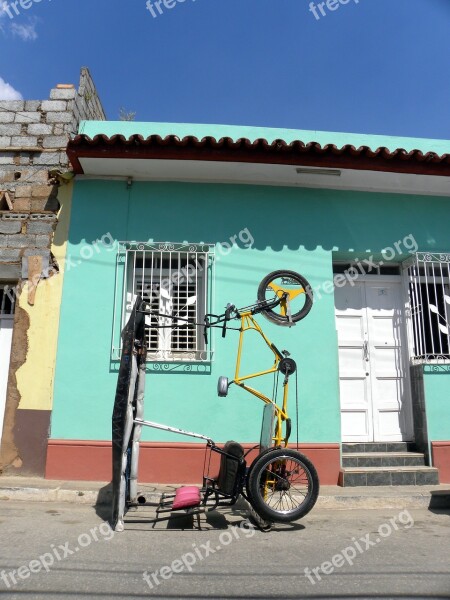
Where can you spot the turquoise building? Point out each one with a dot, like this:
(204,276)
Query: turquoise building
(364,218)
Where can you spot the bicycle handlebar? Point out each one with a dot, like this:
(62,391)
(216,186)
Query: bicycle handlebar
(231,312)
(262,306)
(228,313)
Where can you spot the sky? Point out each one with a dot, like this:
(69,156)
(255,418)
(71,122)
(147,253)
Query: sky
(361,66)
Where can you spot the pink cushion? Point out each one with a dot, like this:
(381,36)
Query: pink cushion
(186,497)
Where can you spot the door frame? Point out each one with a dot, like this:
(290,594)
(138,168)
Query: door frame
(380,278)
(6,317)
(3,391)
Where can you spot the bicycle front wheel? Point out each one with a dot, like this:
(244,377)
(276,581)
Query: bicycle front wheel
(282,485)
(299,296)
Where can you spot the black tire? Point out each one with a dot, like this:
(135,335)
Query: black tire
(297,279)
(269,487)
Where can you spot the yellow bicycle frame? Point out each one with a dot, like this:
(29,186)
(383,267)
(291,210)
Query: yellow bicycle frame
(248,323)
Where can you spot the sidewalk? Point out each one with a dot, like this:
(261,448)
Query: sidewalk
(331,497)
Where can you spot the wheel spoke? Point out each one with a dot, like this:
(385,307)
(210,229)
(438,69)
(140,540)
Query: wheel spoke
(283,485)
(293,481)
(292,499)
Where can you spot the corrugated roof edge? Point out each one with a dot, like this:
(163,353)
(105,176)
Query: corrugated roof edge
(226,149)
(235,132)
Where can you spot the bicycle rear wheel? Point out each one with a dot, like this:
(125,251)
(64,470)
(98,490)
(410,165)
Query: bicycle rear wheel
(282,485)
(299,298)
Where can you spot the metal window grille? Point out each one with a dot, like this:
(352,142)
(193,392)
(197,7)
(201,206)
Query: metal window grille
(7,300)
(428,284)
(176,280)
(361,268)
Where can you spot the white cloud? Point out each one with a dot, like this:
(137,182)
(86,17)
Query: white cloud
(25,32)
(2,15)
(7,92)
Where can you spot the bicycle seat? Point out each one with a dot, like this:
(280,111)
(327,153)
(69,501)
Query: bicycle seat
(186,497)
(229,467)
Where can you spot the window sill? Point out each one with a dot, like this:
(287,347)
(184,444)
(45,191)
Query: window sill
(441,360)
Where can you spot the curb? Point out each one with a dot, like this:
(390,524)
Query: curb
(372,502)
(424,500)
(27,494)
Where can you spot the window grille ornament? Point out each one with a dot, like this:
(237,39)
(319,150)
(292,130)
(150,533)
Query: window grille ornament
(428,280)
(176,281)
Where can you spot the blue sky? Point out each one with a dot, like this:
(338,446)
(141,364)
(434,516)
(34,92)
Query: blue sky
(373,66)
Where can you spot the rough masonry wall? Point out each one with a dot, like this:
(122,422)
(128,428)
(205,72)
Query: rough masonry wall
(33,169)
(33,138)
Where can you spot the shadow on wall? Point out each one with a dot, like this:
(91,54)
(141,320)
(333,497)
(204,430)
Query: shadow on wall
(277,218)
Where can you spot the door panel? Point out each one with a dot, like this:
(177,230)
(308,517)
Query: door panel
(352,421)
(388,423)
(389,375)
(355,393)
(378,358)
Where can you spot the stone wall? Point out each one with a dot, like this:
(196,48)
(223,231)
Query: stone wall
(34,177)
(33,138)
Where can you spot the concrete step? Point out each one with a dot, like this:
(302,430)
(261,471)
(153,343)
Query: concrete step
(383,459)
(359,447)
(373,476)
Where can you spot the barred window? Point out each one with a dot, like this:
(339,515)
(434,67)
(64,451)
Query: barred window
(429,300)
(176,282)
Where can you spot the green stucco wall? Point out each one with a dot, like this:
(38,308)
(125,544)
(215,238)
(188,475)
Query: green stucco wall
(437,397)
(293,228)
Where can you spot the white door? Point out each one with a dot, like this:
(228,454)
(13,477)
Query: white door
(6,329)
(373,370)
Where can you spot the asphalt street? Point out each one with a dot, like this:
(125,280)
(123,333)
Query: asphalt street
(68,551)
